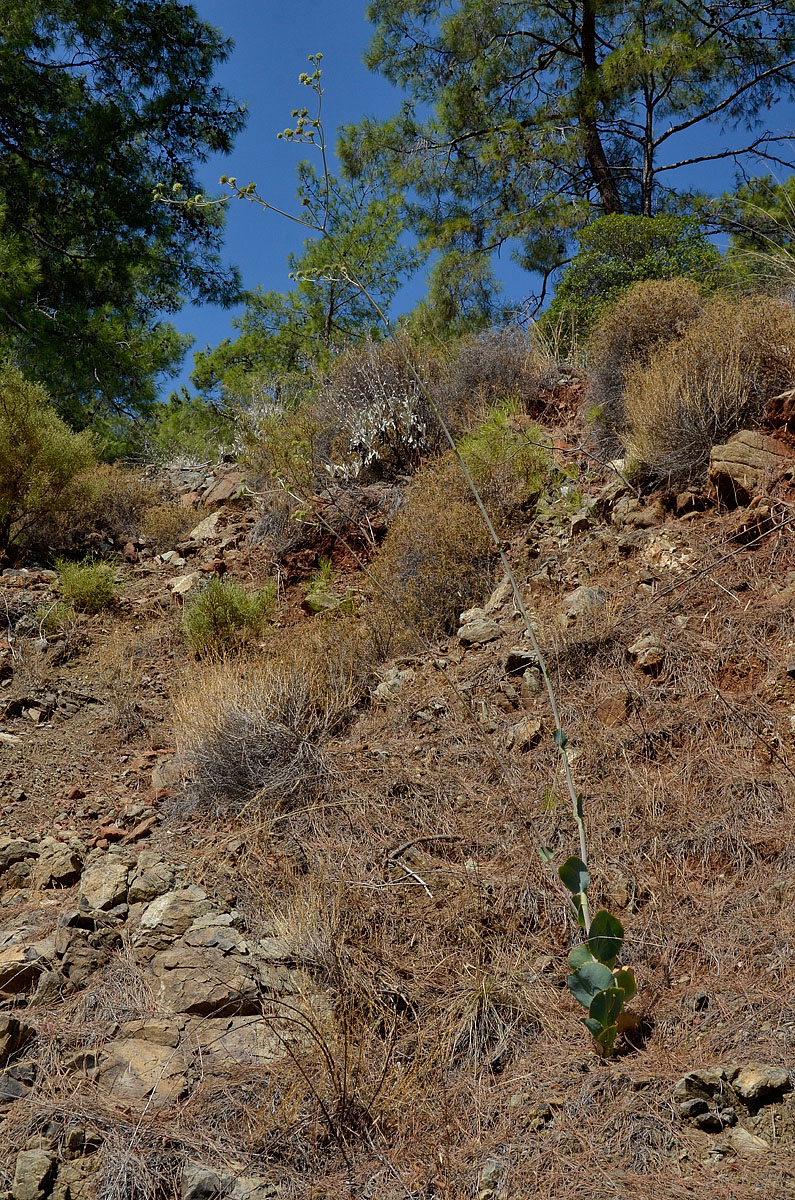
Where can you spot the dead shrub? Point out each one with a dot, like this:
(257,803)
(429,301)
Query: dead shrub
(493,367)
(249,732)
(437,557)
(166,523)
(711,383)
(651,314)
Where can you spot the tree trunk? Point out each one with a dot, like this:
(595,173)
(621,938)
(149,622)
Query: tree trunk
(595,156)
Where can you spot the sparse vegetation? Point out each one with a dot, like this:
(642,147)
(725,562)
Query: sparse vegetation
(223,615)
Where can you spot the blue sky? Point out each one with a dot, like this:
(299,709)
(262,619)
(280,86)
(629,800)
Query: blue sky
(272,45)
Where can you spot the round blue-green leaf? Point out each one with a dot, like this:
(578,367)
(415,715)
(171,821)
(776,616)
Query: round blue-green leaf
(625,979)
(579,955)
(606,1005)
(587,980)
(606,937)
(574,875)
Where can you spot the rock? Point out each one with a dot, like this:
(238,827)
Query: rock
(11,1090)
(33,1174)
(779,412)
(6,659)
(532,685)
(200,1183)
(738,468)
(223,489)
(14,1034)
(581,521)
(701,1084)
(151,877)
(524,734)
(477,628)
(130,552)
(582,600)
(168,773)
(748,1145)
(134,1069)
(759,1082)
(104,882)
(612,711)
(167,917)
(204,981)
(59,863)
(247,1041)
(15,850)
(519,658)
(490,1179)
(648,653)
(392,683)
(609,496)
(76,1180)
(206,529)
(185,583)
(20,966)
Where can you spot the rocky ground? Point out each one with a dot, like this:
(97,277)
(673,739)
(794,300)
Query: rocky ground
(368,999)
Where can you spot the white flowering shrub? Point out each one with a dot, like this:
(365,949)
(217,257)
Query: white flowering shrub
(377,421)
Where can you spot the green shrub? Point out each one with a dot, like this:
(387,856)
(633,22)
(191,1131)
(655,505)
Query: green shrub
(224,614)
(44,466)
(617,251)
(509,463)
(55,618)
(89,586)
(707,386)
(648,316)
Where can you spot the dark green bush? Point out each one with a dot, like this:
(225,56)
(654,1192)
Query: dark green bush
(617,251)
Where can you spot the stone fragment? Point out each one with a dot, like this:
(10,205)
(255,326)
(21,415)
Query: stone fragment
(200,1183)
(11,1090)
(20,967)
(77,1180)
(167,917)
(477,628)
(104,882)
(748,1145)
(648,653)
(206,529)
(223,489)
(204,982)
(582,600)
(33,1174)
(14,850)
(59,864)
(135,1069)
(151,877)
(490,1179)
(612,710)
(760,1082)
(185,583)
(519,658)
(524,734)
(14,1034)
(392,683)
(738,468)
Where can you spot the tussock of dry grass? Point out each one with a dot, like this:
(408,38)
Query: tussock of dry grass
(712,382)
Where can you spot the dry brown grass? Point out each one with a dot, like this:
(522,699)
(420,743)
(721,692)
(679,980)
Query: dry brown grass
(166,523)
(437,558)
(649,316)
(713,382)
(249,730)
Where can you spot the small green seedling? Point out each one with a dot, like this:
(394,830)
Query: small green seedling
(602,987)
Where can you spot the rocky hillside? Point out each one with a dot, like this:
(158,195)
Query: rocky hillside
(358,989)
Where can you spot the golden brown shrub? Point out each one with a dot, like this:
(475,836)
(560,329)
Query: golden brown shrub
(650,315)
(437,558)
(713,382)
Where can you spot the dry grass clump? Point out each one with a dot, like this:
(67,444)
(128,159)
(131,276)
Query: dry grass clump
(249,732)
(499,365)
(166,523)
(708,385)
(650,315)
(437,557)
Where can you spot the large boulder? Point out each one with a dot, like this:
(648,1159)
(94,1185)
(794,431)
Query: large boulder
(204,981)
(104,882)
(738,468)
